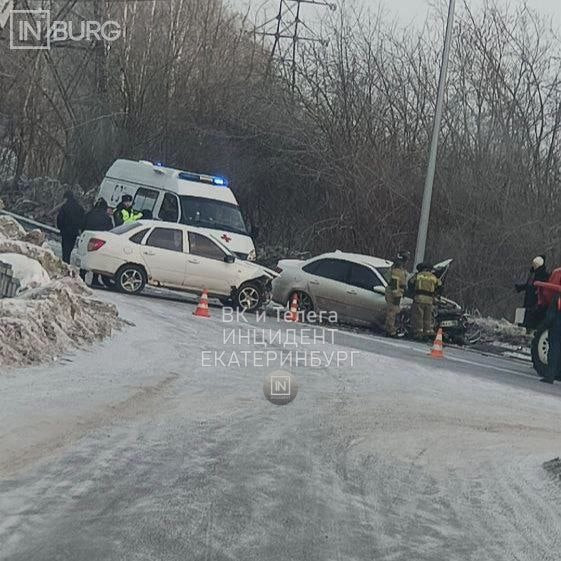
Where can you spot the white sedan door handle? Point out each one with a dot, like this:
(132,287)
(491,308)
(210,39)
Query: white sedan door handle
(351,291)
(148,253)
(194,261)
(314,282)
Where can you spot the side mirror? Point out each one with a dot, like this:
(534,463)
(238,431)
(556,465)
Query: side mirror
(229,258)
(379,290)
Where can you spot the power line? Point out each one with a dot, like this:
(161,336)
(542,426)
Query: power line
(289,30)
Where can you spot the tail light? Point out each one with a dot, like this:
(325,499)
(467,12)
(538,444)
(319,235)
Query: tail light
(278,269)
(95,243)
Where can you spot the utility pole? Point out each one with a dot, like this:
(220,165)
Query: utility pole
(285,28)
(429,182)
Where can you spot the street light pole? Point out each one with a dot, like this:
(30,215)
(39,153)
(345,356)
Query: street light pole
(427,194)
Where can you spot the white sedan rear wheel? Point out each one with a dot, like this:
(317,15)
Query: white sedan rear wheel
(130,279)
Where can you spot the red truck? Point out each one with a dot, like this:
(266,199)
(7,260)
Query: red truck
(536,319)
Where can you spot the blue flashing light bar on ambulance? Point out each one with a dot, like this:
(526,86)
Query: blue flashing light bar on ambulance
(190,176)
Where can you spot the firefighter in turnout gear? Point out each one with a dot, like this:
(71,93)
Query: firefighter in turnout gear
(395,290)
(425,285)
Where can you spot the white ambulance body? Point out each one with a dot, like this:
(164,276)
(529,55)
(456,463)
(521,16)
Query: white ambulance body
(174,195)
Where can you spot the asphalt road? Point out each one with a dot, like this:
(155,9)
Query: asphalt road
(140,449)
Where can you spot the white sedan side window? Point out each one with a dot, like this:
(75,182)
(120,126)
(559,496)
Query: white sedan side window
(166,238)
(204,247)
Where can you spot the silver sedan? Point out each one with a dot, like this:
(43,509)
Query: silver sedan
(350,284)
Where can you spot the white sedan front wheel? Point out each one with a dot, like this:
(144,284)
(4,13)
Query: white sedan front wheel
(249,297)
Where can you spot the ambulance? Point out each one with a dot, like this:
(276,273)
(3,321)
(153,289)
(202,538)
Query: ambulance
(173,195)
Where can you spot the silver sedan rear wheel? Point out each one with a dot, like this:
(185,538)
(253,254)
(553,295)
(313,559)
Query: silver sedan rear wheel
(305,302)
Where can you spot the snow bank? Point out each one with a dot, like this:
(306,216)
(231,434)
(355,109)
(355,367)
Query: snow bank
(42,323)
(29,272)
(54,266)
(10,228)
(54,311)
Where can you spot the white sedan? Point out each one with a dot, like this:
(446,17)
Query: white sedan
(173,256)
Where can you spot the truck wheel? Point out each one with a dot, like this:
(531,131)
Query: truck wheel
(540,347)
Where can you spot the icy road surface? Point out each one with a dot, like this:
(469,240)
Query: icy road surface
(133,450)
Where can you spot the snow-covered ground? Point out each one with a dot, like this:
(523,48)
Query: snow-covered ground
(136,449)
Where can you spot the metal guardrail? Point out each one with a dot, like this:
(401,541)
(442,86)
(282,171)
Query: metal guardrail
(32,223)
(9,286)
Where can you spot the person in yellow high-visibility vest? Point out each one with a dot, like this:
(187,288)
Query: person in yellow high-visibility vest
(395,291)
(124,212)
(425,284)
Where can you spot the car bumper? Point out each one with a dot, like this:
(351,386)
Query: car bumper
(98,263)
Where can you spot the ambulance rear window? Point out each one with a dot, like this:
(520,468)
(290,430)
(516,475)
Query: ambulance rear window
(145,199)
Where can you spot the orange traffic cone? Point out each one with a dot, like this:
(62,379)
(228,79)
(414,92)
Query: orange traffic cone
(293,314)
(202,307)
(437,347)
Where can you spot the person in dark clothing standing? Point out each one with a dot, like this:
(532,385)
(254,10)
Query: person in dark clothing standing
(538,272)
(69,221)
(97,218)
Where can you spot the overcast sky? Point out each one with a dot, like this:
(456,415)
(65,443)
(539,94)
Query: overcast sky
(417,9)
(408,10)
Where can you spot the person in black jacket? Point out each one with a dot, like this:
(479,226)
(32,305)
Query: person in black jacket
(97,218)
(69,221)
(538,272)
